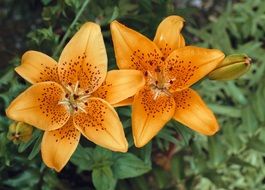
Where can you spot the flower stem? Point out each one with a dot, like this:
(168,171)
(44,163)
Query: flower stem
(60,46)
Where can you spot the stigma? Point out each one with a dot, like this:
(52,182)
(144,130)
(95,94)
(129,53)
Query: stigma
(75,99)
(159,83)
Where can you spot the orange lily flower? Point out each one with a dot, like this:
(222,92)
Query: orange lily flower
(74,97)
(170,68)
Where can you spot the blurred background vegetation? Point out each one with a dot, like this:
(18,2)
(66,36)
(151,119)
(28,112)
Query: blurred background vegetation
(178,158)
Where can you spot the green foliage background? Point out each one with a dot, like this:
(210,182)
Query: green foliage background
(178,158)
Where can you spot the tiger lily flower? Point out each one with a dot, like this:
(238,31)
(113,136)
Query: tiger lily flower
(170,68)
(74,97)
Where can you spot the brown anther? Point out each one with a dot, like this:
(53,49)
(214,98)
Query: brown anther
(76,96)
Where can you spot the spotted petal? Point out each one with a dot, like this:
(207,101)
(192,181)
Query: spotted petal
(149,115)
(38,106)
(192,112)
(187,65)
(120,85)
(133,50)
(168,37)
(84,59)
(100,124)
(58,145)
(37,67)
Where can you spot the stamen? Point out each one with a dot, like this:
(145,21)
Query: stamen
(84,97)
(64,102)
(82,109)
(156,95)
(76,87)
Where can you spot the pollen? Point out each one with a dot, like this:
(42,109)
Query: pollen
(75,99)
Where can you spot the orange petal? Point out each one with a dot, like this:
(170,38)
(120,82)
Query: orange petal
(126,102)
(187,65)
(168,37)
(192,112)
(84,59)
(120,85)
(38,106)
(101,124)
(58,145)
(149,115)
(133,50)
(37,67)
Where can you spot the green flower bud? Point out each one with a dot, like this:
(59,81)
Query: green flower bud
(232,67)
(19,132)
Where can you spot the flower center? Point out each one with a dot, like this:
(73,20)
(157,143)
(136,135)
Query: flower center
(159,83)
(75,99)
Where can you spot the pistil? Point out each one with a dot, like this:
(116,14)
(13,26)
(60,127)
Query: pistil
(159,83)
(75,99)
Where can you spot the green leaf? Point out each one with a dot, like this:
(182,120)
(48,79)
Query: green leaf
(128,165)
(256,144)
(145,153)
(28,178)
(115,14)
(101,157)
(103,178)
(23,146)
(36,147)
(216,151)
(238,161)
(249,120)
(82,158)
(101,154)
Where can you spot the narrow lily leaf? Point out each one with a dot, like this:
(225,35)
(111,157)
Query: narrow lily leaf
(36,148)
(249,120)
(256,144)
(225,110)
(216,151)
(145,153)
(23,146)
(178,167)
(239,161)
(258,104)
(28,178)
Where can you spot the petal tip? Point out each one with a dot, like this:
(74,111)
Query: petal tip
(90,26)
(213,131)
(175,18)
(139,143)
(120,147)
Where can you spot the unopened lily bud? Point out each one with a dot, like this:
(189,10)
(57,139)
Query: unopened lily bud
(232,67)
(19,132)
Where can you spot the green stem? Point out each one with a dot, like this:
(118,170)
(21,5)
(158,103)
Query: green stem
(60,46)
